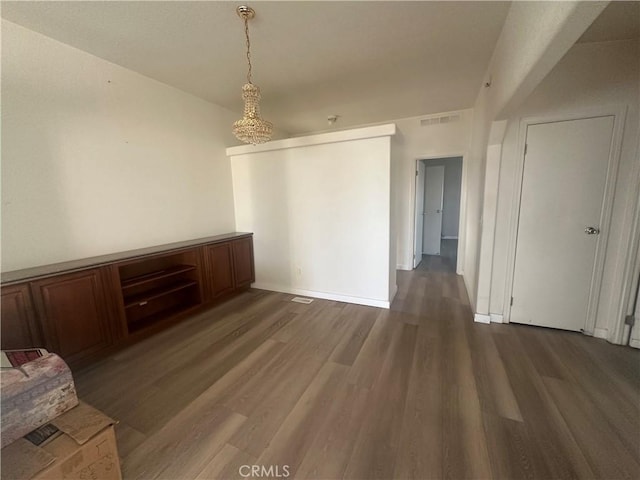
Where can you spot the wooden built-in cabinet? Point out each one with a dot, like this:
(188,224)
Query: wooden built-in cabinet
(18,321)
(83,309)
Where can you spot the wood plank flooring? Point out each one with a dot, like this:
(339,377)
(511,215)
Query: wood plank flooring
(334,391)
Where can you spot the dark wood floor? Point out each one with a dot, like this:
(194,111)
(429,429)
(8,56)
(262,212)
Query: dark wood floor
(334,390)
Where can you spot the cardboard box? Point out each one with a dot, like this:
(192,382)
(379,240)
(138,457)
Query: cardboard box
(84,448)
(33,393)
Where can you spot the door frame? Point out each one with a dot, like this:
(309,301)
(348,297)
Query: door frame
(415,262)
(632,262)
(619,113)
(629,293)
(462,224)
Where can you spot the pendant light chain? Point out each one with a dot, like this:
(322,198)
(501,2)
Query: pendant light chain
(251,128)
(246,34)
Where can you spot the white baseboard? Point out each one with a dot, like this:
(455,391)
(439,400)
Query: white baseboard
(635,343)
(601,333)
(326,296)
(496,318)
(404,267)
(480,318)
(449,238)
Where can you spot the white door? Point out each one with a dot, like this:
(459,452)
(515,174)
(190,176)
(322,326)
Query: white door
(417,246)
(433,195)
(563,184)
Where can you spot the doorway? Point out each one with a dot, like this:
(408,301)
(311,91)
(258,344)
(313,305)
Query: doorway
(565,172)
(437,213)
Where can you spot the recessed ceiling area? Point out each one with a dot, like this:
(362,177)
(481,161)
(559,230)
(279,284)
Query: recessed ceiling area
(364,61)
(619,21)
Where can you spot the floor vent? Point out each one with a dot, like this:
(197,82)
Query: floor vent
(441,119)
(306,301)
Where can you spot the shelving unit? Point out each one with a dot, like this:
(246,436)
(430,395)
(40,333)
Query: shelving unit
(159,287)
(83,309)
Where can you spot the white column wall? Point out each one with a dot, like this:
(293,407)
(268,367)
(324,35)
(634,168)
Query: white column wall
(320,212)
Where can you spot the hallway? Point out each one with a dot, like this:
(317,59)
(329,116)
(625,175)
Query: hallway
(445,262)
(335,390)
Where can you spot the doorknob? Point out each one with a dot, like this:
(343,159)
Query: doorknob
(438,211)
(592,230)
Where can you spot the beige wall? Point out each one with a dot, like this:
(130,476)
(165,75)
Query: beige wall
(98,159)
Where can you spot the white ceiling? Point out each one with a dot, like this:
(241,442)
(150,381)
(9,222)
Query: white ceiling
(364,61)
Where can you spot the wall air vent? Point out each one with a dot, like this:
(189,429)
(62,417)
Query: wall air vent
(449,118)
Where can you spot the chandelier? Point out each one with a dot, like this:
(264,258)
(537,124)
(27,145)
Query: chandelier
(251,128)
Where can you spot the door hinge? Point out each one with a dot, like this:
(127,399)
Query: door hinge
(630,320)
(526,147)
(511,303)
(416,173)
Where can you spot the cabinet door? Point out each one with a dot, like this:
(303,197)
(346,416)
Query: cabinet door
(219,261)
(19,326)
(243,262)
(74,314)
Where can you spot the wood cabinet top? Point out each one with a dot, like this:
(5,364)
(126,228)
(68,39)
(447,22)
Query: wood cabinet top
(16,276)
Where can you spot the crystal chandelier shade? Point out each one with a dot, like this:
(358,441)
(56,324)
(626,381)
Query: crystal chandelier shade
(251,128)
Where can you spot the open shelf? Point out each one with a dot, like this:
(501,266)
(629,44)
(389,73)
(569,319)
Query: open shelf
(151,320)
(157,275)
(159,287)
(148,296)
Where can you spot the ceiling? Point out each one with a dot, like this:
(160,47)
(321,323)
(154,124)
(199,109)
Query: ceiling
(366,62)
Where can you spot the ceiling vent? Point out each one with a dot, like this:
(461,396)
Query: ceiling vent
(450,118)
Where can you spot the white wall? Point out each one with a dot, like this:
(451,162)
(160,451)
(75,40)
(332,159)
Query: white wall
(414,142)
(321,215)
(533,39)
(451,194)
(99,159)
(590,75)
